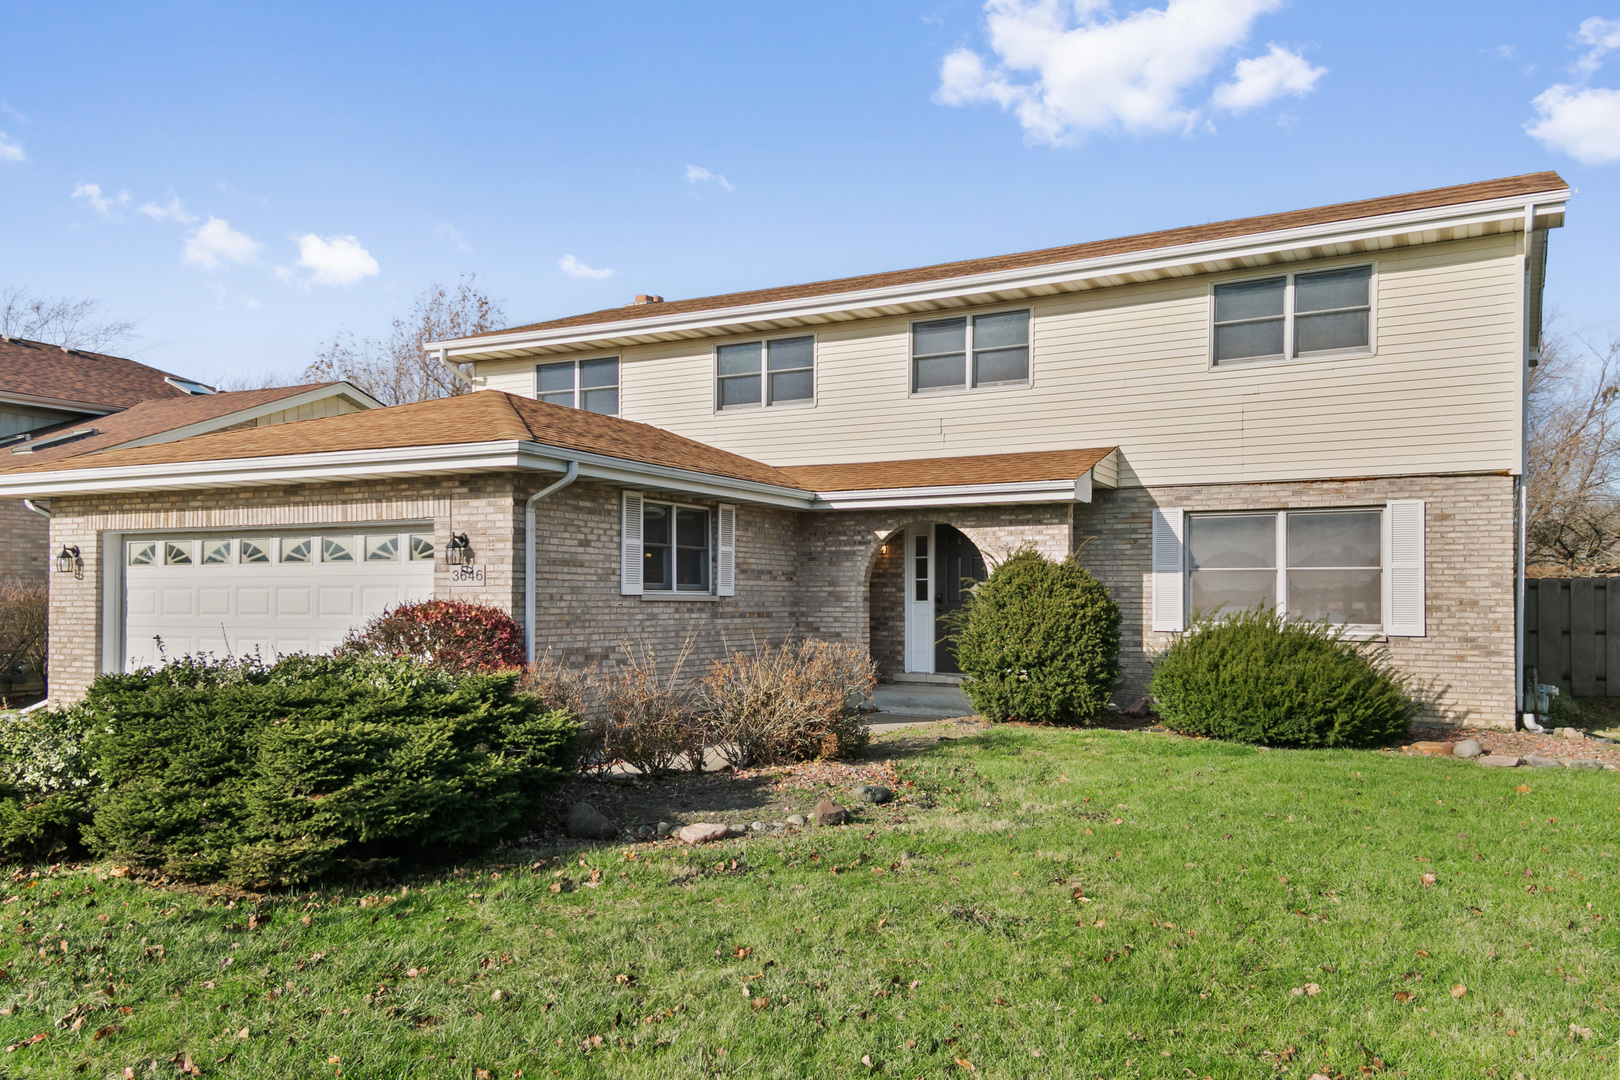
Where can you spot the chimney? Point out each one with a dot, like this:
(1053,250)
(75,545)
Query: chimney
(645,298)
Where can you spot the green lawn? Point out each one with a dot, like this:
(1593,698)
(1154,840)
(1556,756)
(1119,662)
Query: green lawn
(1221,883)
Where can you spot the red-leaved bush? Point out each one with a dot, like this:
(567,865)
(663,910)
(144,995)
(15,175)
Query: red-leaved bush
(452,635)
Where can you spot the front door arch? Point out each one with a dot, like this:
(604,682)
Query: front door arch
(941,563)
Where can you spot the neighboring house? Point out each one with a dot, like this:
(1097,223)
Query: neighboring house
(1321,410)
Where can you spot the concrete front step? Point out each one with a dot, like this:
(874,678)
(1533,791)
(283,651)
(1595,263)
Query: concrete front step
(921,699)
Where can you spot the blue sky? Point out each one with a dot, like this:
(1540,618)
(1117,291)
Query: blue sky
(266,176)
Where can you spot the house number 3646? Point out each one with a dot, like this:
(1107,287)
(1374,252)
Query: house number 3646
(466,575)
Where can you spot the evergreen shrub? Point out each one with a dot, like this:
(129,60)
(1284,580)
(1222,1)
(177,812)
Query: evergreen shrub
(1256,677)
(266,775)
(1039,641)
(453,635)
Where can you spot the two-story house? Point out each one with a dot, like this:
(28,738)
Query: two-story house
(1321,411)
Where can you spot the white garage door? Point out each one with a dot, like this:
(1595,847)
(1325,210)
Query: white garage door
(265,594)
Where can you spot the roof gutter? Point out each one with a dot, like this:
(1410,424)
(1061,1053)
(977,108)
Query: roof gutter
(1120,265)
(529,560)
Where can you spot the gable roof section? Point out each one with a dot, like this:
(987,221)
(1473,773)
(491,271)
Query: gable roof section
(1064,465)
(1506,188)
(154,419)
(50,374)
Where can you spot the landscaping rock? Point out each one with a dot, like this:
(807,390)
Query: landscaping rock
(872,793)
(1536,761)
(1583,763)
(644,831)
(796,820)
(1139,708)
(1500,761)
(1430,749)
(1468,749)
(704,832)
(757,826)
(829,813)
(1570,733)
(586,822)
(663,828)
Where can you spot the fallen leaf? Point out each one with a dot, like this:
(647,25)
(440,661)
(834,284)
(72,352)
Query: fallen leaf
(742,953)
(965,1063)
(1403,996)
(1298,991)
(911,1044)
(333,1060)
(1427,879)
(1459,990)
(102,1033)
(761,1002)
(866,1059)
(242,1034)
(1423,952)
(1523,789)
(41,1037)
(1311,989)
(1574,1032)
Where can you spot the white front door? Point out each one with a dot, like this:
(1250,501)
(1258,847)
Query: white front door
(237,595)
(920,599)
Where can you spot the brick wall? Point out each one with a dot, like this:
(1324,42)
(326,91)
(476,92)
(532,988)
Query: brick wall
(887,599)
(24,544)
(1463,669)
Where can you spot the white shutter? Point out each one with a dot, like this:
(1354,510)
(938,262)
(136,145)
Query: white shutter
(1403,576)
(630,545)
(725,555)
(1169,605)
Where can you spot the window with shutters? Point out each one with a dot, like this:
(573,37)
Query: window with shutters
(1321,565)
(1296,316)
(674,548)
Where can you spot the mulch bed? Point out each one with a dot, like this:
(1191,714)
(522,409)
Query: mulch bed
(1520,743)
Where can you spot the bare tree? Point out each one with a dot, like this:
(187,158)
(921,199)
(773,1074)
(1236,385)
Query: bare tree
(69,321)
(400,370)
(1573,457)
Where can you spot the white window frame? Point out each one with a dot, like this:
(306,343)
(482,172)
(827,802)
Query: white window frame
(579,391)
(764,401)
(1288,356)
(1364,631)
(674,592)
(968,387)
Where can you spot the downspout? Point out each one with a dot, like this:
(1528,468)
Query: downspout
(1522,509)
(529,560)
(36,508)
(453,369)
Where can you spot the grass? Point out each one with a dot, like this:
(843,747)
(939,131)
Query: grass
(1217,879)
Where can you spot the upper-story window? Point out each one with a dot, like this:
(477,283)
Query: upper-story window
(592,385)
(779,371)
(970,352)
(1294,315)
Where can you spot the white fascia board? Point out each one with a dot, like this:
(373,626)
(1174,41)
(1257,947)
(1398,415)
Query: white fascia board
(62,404)
(510,454)
(1032,491)
(1235,249)
(242,416)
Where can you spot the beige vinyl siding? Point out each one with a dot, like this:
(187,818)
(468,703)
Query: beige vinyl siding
(1129,366)
(335,405)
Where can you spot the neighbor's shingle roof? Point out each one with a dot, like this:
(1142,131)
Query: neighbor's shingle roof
(141,420)
(947,471)
(1528,184)
(33,369)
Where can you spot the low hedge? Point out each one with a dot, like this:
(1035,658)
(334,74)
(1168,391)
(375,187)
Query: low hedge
(273,775)
(47,781)
(1256,677)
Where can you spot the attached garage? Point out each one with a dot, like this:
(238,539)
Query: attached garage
(264,593)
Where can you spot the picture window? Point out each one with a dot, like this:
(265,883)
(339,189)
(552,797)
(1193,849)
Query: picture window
(1294,316)
(1318,565)
(591,385)
(778,371)
(974,352)
(675,548)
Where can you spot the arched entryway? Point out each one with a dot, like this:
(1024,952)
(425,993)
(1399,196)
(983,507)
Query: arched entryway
(919,579)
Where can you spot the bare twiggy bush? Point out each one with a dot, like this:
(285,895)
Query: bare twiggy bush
(649,720)
(23,614)
(1573,457)
(792,702)
(576,691)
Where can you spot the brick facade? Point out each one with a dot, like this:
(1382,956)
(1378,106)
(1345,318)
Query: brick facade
(1462,670)
(823,574)
(24,545)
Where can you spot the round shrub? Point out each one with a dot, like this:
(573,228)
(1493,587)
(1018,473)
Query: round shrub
(1039,641)
(451,635)
(1256,677)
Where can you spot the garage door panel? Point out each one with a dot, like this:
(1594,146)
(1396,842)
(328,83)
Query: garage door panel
(265,608)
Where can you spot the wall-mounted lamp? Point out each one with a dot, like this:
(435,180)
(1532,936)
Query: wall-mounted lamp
(68,560)
(884,550)
(458,552)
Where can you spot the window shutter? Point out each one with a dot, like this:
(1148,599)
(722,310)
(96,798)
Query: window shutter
(725,560)
(630,545)
(1403,579)
(1169,605)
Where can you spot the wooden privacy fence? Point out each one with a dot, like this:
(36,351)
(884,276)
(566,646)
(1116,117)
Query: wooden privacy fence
(1572,634)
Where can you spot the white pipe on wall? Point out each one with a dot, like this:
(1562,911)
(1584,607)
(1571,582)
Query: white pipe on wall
(529,569)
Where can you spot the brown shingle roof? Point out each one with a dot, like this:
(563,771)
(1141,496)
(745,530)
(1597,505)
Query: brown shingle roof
(141,420)
(947,471)
(33,369)
(485,416)
(1528,184)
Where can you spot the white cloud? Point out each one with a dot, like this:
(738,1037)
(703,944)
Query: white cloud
(697,174)
(1264,79)
(11,150)
(173,212)
(335,260)
(215,243)
(9,110)
(1067,68)
(1578,120)
(101,204)
(576,269)
(455,234)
